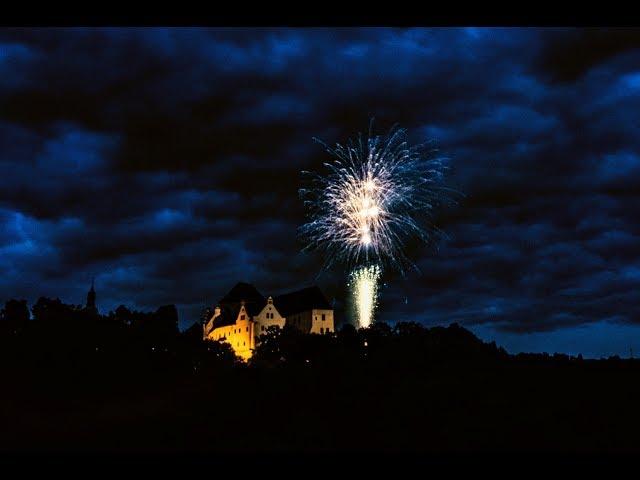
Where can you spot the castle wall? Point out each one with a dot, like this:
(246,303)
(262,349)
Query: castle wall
(301,321)
(322,321)
(313,321)
(263,320)
(240,336)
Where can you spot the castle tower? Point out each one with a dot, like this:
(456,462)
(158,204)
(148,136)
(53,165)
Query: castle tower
(91,299)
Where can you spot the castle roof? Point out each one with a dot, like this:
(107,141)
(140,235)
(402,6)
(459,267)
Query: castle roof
(288,304)
(253,300)
(231,303)
(227,316)
(300,301)
(242,292)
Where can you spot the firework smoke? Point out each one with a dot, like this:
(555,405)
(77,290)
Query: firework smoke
(376,194)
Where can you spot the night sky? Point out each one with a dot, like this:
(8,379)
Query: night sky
(166,163)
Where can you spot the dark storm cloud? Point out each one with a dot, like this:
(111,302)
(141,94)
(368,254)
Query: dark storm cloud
(165,162)
(569,54)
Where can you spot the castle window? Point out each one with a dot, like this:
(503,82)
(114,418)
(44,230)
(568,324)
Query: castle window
(262,328)
(247,329)
(241,317)
(321,330)
(323,317)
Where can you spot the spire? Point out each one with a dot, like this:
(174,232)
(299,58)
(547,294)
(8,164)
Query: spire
(91,298)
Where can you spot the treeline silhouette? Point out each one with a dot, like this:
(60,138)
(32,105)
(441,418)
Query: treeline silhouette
(131,381)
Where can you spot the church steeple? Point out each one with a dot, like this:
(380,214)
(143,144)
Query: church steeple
(91,298)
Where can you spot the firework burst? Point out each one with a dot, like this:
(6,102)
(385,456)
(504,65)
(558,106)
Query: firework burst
(377,193)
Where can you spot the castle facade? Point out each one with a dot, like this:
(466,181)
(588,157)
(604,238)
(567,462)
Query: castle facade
(242,315)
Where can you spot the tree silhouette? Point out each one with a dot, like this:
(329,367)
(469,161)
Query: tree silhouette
(14,316)
(136,379)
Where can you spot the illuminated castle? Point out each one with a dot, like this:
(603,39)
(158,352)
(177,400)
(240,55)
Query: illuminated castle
(244,314)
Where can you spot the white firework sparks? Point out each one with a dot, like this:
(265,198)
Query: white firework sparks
(376,194)
(364,284)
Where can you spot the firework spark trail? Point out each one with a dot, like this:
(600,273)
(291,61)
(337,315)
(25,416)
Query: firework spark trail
(376,194)
(364,284)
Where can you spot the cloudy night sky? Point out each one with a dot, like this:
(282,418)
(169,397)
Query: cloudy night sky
(166,163)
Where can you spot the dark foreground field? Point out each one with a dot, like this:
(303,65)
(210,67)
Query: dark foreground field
(383,389)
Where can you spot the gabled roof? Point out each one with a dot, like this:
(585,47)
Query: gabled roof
(242,291)
(227,316)
(288,304)
(254,302)
(300,301)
